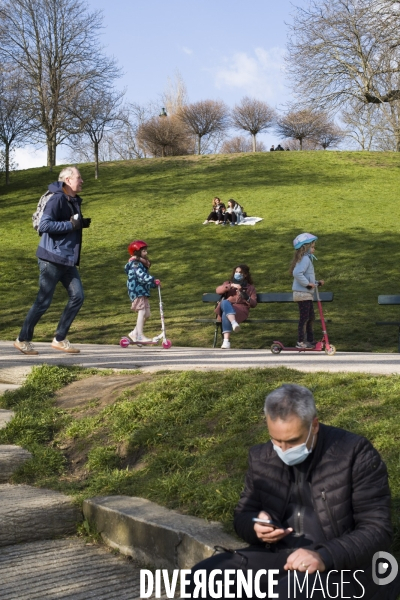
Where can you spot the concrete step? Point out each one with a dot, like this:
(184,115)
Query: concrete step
(66,569)
(5,417)
(153,534)
(11,457)
(29,514)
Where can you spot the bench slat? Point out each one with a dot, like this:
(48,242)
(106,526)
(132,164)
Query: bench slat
(388,299)
(263,297)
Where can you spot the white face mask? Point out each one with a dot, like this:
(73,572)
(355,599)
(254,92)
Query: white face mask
(295,455)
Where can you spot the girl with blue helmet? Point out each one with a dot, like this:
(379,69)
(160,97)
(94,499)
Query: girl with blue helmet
(302,269)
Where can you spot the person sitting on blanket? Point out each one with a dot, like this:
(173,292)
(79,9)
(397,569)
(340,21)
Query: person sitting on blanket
(217,213)
(239,296)
(234,213)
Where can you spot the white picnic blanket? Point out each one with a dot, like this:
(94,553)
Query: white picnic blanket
(250,220)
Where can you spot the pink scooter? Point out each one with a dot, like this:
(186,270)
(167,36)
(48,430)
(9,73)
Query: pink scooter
(126,341)
(278,347)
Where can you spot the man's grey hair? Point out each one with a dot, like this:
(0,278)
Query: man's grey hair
(67,172)
(290,400)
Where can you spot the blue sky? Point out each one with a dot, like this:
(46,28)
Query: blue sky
(223,50)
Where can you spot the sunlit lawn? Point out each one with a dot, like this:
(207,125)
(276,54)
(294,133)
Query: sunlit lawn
(348,199)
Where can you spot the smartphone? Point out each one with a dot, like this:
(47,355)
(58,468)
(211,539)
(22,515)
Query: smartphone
(268,522)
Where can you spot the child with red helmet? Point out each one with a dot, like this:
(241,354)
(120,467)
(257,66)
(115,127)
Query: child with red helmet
(139,283)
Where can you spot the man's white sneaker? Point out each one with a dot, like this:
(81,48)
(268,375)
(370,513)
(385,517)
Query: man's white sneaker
(226,345)
(64,346)
(235,326)
(25,347)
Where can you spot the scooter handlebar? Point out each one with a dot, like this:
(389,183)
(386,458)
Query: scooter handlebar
(311,287)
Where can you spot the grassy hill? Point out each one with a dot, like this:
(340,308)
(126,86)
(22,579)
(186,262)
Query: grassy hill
(192,454)
(348,199)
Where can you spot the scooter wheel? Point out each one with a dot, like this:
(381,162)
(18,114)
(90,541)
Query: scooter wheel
(167,344)
(276,349)
(331,350)
(124,342)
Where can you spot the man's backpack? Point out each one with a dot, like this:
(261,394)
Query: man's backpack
(37,215)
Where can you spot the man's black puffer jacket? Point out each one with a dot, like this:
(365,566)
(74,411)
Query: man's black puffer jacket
(349,488)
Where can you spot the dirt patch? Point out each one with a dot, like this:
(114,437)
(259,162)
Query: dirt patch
(86,398)
(92,394)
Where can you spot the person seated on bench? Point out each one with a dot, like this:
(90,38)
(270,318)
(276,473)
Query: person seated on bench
(217,213)
(239,296)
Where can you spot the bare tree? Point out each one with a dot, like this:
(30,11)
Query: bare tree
(253,116)
(204,118)
(301,125)
(55,44)
(345,49)
(240,143)
(175,96)
(96,112)
(15,116)
(236,144)
(292,144)
(330,136)
(387,136)
(165,136)
(362,124)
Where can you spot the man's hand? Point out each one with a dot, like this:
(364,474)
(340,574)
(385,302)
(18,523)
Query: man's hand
(268,534)
(86,222)
(304,560)
(76,223)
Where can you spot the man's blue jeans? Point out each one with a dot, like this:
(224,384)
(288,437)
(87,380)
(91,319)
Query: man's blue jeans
(50,274)
(226,309)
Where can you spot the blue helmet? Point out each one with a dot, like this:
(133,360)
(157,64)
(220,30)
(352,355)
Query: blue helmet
(303,238)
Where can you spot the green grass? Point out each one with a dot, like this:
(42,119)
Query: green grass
(348,199)
(182,439)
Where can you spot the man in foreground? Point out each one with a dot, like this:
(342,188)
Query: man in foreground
(58,256)
(325,492)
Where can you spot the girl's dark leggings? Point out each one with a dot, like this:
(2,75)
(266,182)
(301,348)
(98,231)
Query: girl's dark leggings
(306,321)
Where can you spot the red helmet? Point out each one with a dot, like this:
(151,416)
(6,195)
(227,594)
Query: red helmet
(135,246)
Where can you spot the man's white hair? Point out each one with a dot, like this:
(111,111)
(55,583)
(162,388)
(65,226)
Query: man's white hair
(67,172)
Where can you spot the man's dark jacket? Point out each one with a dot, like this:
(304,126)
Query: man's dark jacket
(60,242)
(350,494)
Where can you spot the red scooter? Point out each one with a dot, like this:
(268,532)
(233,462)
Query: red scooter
(278,347)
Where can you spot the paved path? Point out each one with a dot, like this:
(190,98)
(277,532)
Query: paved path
(65,569)
(150,359)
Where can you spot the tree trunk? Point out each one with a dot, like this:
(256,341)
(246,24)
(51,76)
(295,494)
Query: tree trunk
(199,145)
(51,153)
(301,143)
(7,157)
(254,142)
(49,161)
(96,160)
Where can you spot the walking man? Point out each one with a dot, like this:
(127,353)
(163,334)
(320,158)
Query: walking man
(58,257)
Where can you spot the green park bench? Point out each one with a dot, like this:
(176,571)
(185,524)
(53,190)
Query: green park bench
(390,300)
(262,298)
